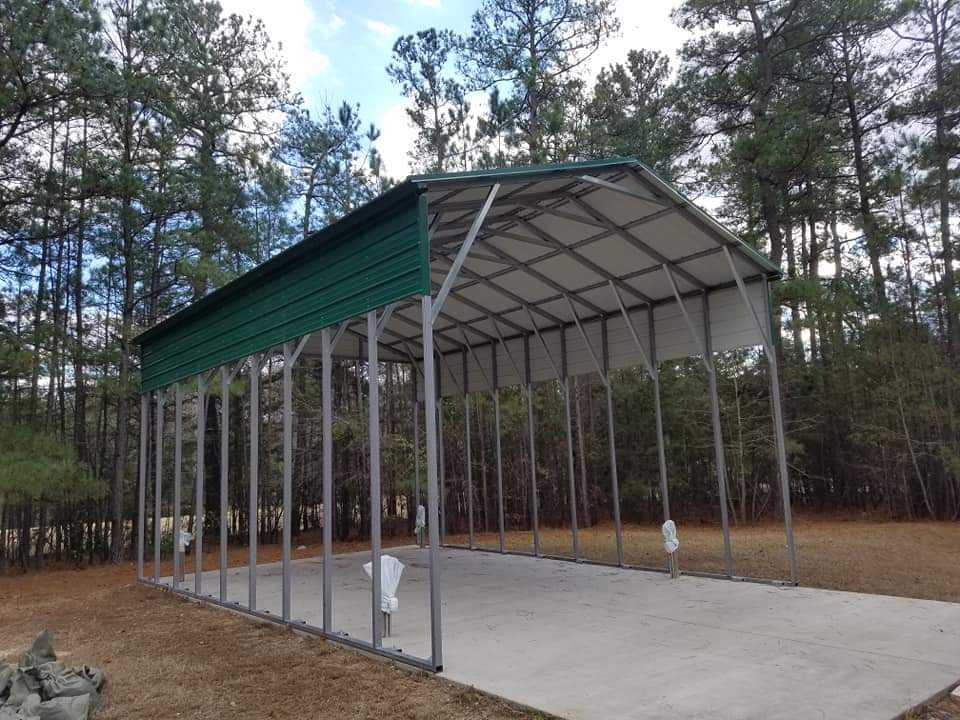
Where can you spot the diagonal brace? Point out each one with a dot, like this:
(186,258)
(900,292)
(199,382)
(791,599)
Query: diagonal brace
(462,254)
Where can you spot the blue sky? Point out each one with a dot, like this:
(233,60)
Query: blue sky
(338,50)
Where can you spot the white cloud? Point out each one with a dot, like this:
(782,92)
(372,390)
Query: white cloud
(397,136)
(424,3)
(382,28)
(643,25)
(290,24)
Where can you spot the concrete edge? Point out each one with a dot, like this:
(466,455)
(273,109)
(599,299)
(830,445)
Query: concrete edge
(502,698)
(933,699)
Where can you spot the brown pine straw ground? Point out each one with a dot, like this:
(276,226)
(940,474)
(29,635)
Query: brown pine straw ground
(166,657)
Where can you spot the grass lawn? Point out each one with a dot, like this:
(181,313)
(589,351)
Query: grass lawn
(172,658)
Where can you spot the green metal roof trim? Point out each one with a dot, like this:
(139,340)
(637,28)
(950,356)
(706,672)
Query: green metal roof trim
(522,170)
(373,257)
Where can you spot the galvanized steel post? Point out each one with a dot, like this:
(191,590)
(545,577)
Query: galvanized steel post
(158,488)
(531,431)
(327,410)
(224,477)
(142,480)
(496,428)
(612,441)
(658,414)
(199,511)
(717,439)
(376,501)
(433,515)
(177,480)
(568,421)
(253,519)
(287,568)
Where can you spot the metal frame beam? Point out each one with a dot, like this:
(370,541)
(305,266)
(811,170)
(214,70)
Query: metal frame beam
(464,251)
(720,459)
(433,515)
(376,499)
(177,480)
(142,480)
(199,511)
(603,371)
(653,371)
(226,378)
(253,519)
(777,408)
(158,486)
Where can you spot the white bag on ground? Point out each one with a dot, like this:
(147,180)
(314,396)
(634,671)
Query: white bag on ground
(390,571)
(670,541)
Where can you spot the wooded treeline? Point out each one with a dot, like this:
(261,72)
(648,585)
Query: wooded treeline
(152,150)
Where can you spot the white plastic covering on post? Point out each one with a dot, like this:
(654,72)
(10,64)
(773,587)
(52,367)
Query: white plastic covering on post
(670,542)
(390,571)
(184,542)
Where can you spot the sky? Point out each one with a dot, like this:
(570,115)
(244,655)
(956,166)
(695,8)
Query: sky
(337,51)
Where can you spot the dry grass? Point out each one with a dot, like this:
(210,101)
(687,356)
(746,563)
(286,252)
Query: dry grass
(166,657)
(910,559)
(171,658)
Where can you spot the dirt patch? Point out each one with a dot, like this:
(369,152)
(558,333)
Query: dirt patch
(172,658)
(947,709)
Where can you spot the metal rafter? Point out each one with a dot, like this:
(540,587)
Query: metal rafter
(547,280)
(643,247)
(584,261)
(464,251)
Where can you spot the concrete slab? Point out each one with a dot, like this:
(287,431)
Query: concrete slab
(582,641)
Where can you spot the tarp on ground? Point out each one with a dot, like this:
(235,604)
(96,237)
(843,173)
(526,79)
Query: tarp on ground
(40,687)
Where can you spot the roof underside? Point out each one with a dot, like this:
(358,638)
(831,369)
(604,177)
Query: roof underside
(568,232)
(560,235)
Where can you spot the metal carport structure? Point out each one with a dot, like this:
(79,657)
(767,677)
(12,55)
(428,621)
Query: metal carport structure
(481,280)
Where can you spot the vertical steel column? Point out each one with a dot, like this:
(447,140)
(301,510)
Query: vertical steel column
(224,477)
(612,442)
(253,521)
(658,413)
(416,442)
(778,429)
(569,427)
(469,469)
(443,473)
(142,480)
(376,501)
(531,430)
(468,460)
(158,488)
(766,335)
(177,479)
(199,511)
(717,438)
(433,519)
(495,380)
(326,390)
(287,476)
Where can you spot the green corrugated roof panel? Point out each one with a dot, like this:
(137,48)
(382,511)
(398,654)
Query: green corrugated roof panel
(371,258)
